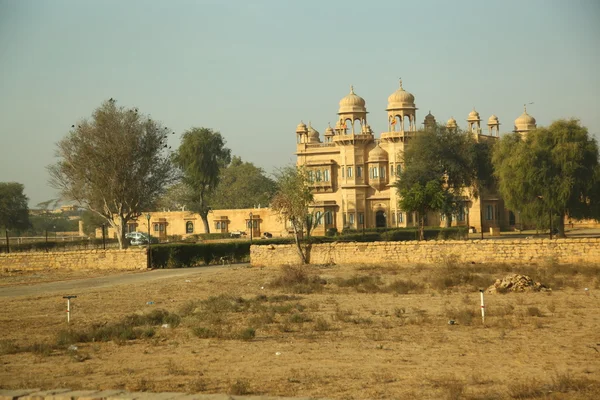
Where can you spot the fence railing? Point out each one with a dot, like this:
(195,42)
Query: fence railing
(65,243)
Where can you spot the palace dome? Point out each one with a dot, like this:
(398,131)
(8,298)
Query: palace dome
(301,127)
(451,123)
(401,99)
(473,116)
(352,103)
(493,120)
(377,154)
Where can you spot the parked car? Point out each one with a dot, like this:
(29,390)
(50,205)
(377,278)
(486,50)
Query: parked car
(237,234)
(267,235)
(139,238)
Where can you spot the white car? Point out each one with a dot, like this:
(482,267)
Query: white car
(139,238)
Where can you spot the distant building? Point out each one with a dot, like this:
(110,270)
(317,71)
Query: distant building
(352,172)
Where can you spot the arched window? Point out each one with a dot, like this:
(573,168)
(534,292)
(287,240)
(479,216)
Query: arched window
(189,227)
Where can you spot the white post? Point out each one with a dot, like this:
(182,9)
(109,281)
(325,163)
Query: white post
(69,306)
(482,307)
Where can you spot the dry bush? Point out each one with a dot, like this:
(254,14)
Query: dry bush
(534,312)
(8,347)
(321,324)
(362,283)
(525,389)
(240,387)
(564,382)
(401,286)
(298,318)
(296,279)
(174,369)
(463,315)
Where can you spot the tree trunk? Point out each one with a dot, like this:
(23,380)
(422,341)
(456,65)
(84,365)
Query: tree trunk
(298,245)
(120,228)
(560,225)
(204,216)
(421,227)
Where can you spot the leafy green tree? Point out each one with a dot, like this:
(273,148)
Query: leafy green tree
(551,173)
(438,169)
(176,197)
(14,212)
(423,198)
(51,223)
(243,185)
(114,164)
(201,157)
(292,201)
(91,221)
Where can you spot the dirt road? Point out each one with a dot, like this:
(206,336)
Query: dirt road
(106,281)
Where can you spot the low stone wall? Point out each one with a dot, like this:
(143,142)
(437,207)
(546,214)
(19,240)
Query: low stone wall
(129,259)
(534,251)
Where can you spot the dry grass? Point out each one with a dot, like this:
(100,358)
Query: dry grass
(347,332)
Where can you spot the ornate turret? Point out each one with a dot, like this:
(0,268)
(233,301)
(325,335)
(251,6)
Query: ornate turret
(429,121)
(494,126)
(352,109)
(401,104)
(474,122)
(525,122)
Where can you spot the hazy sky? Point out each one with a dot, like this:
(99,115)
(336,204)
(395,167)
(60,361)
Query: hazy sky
(253,69)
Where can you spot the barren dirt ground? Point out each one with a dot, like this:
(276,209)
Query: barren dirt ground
(342,332)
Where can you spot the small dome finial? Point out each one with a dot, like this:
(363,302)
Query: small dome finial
(351,89)
(400,83)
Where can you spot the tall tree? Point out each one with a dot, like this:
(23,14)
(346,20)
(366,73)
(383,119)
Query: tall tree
(292,201)
(14,212)
(201,157)
(550,173)
(243,185)
(114,164)
(437,171)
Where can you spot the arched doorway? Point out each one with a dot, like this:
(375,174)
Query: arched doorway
(380,219)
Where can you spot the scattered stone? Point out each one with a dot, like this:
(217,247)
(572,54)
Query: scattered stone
(516,283)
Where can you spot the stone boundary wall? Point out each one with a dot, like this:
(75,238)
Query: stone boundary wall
(129,259)
(533,251)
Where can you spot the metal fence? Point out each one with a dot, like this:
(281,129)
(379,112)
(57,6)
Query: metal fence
(49,244)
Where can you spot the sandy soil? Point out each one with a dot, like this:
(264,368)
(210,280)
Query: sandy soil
(343,341)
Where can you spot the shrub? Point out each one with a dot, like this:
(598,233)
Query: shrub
(405,286)
(297,279)
(239,388)
(322,325)
(331,232)
(246,334)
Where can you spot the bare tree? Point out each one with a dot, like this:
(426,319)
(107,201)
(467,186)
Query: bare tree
(292,200)
(114,164)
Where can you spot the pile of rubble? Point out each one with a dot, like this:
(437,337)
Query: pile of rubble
(516,283)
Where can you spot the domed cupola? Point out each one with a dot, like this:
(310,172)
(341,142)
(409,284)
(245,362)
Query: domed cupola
(313,135)
(352,109)
(451,124)
(301,133)
(352,103)
(401,105)
(474,122)
(377,154)
(525,122)
(329,132)
(429,121)
(378,161)
(400,99)
(493,126)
